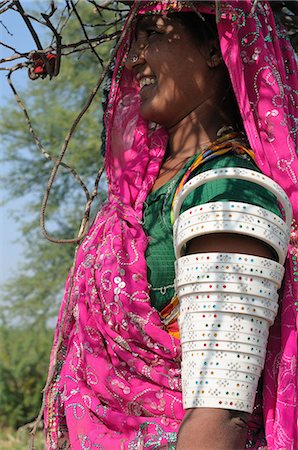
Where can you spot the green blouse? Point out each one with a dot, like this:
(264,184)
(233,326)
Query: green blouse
(157,224)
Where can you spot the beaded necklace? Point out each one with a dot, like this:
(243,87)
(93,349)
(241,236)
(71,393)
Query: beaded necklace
(224,144)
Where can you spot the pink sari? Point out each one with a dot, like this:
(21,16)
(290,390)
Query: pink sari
(117,382)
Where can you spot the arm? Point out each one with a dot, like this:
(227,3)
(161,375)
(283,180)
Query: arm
(212,428)
(228,295)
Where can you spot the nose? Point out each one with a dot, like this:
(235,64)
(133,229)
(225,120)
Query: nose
(135,55)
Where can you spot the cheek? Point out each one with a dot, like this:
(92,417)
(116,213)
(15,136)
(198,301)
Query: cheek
(181,73)
(166,105)
(178,91)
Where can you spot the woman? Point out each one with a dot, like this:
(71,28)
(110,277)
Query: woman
(170,117)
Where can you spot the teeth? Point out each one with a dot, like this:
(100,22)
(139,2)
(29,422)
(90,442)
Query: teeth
(146,81)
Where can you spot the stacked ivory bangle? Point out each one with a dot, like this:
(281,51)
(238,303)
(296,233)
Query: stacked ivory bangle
(233,217)
(227,303)
(239,174)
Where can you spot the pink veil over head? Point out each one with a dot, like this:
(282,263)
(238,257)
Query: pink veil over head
(116,382)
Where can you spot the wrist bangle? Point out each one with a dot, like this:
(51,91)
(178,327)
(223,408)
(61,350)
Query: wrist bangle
(217,402)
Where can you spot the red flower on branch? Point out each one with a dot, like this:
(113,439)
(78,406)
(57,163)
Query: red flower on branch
(39,68)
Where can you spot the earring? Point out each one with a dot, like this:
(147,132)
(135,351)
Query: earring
(214,59)
(134,58)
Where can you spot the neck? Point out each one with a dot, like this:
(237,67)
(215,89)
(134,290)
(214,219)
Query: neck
(196,130)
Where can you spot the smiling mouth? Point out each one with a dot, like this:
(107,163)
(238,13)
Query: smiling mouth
(147,81)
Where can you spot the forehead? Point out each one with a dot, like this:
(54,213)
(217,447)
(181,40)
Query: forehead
(158,20)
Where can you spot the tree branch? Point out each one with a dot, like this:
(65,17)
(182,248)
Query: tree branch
(28,23)
(36,138)
(76,45)
(85,33)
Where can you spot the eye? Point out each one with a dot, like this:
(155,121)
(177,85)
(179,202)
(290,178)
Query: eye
(146,33)
(151,31)
(146,28)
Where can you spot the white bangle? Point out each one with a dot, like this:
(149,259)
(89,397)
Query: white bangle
(190,302)
(277,242)
(230,346)
(245,393)
(224,208)
(197,367)
(190,345)
(217,402)
(221,383)
(196,222)
(201,321)
(255,289)
(231,258)
(236,375)
(219,359)
(223,307)
(234,261)
(240,174)
(244,326)
(247,338)
(193,217)
(202,276)
(244,390)
(227,304)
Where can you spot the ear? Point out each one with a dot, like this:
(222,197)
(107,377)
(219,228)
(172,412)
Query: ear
(214,59)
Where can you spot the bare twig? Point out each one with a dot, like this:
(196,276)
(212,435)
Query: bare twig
(5,6)
(78,46)
(63,21)
(101,8)
(217,10)
(28,23)
(58,42)
(83,49)
(97,7)
(57,348)
(46,20)
(85,33)
(36,138)
(83,229)
(33,33)
(98,40)
(81,235)
(12,58)
(8,46)
(4,2)
(5,27)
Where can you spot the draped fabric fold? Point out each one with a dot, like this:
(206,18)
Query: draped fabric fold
(116,382)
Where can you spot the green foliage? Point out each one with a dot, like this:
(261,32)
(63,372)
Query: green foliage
(12,440)
(53,105)
(23,365)
(31,298)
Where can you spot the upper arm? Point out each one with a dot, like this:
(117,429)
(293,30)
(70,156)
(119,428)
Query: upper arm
(236,191)
(231,243)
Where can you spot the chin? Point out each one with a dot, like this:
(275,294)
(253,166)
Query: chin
(150,114)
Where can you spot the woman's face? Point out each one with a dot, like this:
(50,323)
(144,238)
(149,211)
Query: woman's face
(171,69)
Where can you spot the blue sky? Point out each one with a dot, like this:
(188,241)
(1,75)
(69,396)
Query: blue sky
(19,38)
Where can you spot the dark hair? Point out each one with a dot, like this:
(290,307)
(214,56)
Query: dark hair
(203,29)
